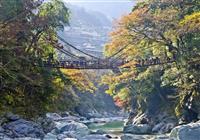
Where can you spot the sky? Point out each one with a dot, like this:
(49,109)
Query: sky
(113,9)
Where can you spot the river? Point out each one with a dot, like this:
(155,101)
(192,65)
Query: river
(115,130)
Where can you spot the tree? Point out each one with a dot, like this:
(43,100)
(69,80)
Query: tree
(166,30)
(28,35)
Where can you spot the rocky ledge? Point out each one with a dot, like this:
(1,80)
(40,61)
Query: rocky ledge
(189,131)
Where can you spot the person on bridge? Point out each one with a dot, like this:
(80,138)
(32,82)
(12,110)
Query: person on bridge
(138,63)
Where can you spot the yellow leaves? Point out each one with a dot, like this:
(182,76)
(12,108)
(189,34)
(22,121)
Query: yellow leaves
(129,64)
(190,23)
(121,78)
(83,80)
(123,93)
(126,76)
(111,90)
(58,83)
(9,99)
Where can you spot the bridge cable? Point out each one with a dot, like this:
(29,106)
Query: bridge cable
(120,50)
(68,53)
(72,46)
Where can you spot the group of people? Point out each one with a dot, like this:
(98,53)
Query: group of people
(103,63)
(79,63)
(153,61)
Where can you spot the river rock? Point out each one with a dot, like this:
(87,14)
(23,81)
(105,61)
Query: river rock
(23,128)
(144,137)
(50,136)
(137,129)
(135,137)
(3,136)
(163,127)
(94,137)
(11,117)
(70,118)
(65,114)
(1,130)
(72,129)
(100,132)
(47,124)
(26,138)
(53,116)
(57,117)
(189,131)
(69,139)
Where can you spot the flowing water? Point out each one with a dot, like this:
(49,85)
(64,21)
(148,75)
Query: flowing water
(113,128)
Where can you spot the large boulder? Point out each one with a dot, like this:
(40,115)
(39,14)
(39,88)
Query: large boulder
(137,129)
(50,136)
(163,127)
(186,132)
(161,122)
(11,117)
(53,116)
(23,128)
(57,117)
(72,129)
(47,124)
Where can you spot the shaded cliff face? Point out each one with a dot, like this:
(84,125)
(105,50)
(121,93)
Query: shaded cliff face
(88,30)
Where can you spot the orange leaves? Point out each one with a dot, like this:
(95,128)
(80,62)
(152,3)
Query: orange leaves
(119,102)
(121,99)
(123,77)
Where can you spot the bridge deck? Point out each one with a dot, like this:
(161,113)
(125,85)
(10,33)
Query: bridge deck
(93,65)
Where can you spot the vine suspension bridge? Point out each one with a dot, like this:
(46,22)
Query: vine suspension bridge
(113,62)
(76,62)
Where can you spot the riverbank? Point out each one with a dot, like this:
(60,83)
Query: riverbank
(60,127)
(73,127)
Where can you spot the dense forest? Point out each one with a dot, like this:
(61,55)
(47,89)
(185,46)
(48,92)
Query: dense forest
(159,41)
(162,30)
(29,34)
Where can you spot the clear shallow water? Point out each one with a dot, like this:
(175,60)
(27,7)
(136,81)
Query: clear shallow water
(115,129)
(110,126)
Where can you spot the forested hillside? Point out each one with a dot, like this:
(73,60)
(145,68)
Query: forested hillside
(87,29)
(158,31)
(29,34)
